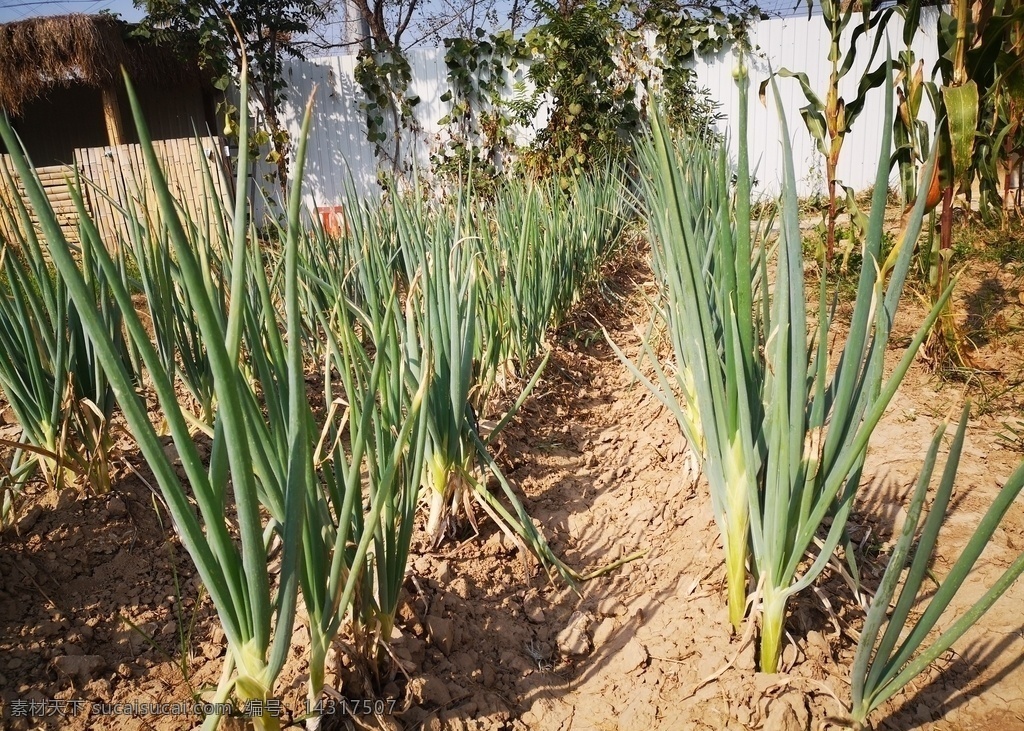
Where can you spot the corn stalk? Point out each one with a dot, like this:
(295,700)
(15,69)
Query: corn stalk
(830,120)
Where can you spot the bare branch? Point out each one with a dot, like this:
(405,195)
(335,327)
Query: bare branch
(405,22)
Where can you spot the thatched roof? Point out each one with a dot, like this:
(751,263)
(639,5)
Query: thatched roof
(41,53)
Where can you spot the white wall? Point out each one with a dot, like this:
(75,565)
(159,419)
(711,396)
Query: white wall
(338,150)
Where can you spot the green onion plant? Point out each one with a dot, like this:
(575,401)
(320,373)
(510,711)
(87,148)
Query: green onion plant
(542,247)
(176,331)
(370,453)
(257,618)
(49,374)
(441,252)
(886,661)
(706,266)
(785,423)
(818,423)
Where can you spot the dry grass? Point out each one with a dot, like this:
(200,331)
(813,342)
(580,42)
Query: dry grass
(41,53)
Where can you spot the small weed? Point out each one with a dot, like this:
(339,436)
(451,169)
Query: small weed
(1009,250)
(851,266)
(1012,435)
(990,396)
(1003,245)
(893,198)
(585,336)
(962,250)
(764,207)
(552,446)
(185,624)
(768,205)
(849,256)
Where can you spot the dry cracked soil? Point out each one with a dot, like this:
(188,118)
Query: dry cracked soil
(99,604)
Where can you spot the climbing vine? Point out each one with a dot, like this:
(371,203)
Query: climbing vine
(592,101)
(595,65)
(680,37)
(487,97)
(581,78)
(384,77)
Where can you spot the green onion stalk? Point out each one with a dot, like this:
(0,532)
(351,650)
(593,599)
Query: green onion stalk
(386,436)
(257,620)
(817,426)
(448,316)
(542,247)
(704,266)
(176,330)
(370,452)
(885,662)
(784,440)
(509,237)
(439,254)
(328,261)
(50,375)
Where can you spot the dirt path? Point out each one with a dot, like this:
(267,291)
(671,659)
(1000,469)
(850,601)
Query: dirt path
(605,470)
(90,608)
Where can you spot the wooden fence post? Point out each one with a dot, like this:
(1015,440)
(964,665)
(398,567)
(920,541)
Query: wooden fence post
(112,117)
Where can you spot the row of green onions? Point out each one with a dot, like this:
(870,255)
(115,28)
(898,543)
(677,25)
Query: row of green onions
(496,275)
(263,437)
(780,423)
(50,375)
(784,423)
(411,317)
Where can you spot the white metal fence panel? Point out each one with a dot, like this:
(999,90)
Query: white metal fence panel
(339,154)
(801,45)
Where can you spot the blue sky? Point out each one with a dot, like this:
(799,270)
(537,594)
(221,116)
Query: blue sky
(12,10)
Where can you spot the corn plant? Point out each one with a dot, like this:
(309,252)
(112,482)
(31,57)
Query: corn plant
(884,665)
(910,132)
(785,435)
(830,121)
